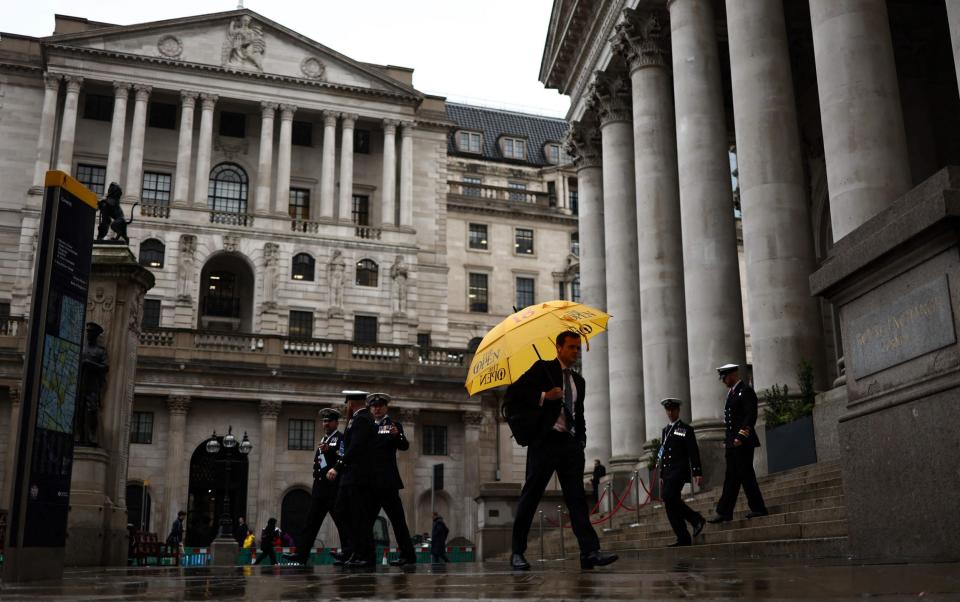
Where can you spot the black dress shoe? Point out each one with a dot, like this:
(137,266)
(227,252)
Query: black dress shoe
(355,563)
(757,514)
(597,558)
(403,561)
(519,563)
(697,528)
(679,544)
(719,518)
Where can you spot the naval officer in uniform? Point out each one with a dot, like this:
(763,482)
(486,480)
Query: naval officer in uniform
(740,418)
(678,460)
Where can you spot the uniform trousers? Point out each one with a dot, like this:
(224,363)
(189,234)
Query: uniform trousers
(740,473)
(561,453)
(389,500)
(322,502)
(678,513)
(356,505)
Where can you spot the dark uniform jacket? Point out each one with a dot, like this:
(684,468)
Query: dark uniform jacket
(740,416)
(540,378)
(681,455)
(356,464)
(385,454)
(324,461)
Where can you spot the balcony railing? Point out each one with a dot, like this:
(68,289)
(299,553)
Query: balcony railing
(304,225)
(161,210)
(231,218)
(368,232)
(499,193)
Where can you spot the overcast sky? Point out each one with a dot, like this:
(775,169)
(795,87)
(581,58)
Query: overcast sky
(482,52)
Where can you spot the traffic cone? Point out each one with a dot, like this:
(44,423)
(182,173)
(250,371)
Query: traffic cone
(385,562)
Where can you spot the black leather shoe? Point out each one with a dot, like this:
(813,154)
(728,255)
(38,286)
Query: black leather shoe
(697,528)
(519,563)
(719,518)
(403,561)
(355,563)
(757,514)
(679,544)
(597,558)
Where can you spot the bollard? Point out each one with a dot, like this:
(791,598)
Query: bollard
(563,551)
(541,536)
(636,478)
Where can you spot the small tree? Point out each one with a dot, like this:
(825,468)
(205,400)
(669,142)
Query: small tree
(781,407)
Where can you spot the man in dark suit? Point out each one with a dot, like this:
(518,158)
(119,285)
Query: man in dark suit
(557,441)
(355,467)
(390,439)
(678,460)
(740,418)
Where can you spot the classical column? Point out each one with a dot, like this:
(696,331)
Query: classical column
(863,135)
(328,164)
(583,144)
(138,130)
(472,423)
(181,180)
(784,325)
(261,202)
(175,490)
(407,462)
(204,144)
(121,91)
(644,39)
(388,188)
(346,166)
(953,18)
(406,174)
(283,160)
(710,265)
(267,498)
(48,119)
(68,124)
(610,98)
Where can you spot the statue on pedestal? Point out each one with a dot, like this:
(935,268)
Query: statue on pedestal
(111,216)
(93,376)
(399,273)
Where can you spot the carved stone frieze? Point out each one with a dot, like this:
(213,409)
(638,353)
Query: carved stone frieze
(231,243)
(231,147)
(135,322)
(609,97)
(244,46)
(643,38)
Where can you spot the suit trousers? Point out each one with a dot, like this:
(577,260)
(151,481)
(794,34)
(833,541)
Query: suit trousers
(678,513)
(740,473)
(389,500)
(356,504)
(322,502)
(560,453)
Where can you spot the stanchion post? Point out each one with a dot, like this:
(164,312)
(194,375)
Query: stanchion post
(563,551)
(541,536)
(610,495)
(636,478)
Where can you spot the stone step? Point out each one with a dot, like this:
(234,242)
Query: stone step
(834,528)
(828,547)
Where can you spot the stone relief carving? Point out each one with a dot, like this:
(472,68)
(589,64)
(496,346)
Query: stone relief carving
(136,312)
(170,46)
(313,68)
(231,243)
(244,46)
(231,147)
(337,267)
(271,253)
(399,273)
(100,306)
(185,266)
(94,365)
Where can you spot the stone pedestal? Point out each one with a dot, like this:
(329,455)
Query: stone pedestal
(96,527)
(829,406)
(224,551)
(895,281)
(183,313)
(335,324)
(402,325)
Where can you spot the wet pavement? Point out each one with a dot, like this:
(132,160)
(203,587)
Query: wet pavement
(626,580)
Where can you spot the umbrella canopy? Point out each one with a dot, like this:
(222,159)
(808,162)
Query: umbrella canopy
(513,345)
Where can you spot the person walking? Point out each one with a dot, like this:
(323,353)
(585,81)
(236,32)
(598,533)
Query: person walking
(599,471)
(558,439)
(240,531)
(390,439)
(176,530)
(677,460)
(438,540)
(269,540)
(740,443)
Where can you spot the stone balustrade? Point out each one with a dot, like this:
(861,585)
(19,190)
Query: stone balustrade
(500,193)
(368,232)
(231,218)
(161,210)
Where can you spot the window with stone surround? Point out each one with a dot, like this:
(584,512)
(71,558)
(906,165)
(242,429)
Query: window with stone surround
(228,188)
(553,153)
(365,330)
(368,273)
(435,440)
(301,434)
(141,427)
(520,194)
(525,287)
(301,133)
(513,148)
(523,241)
(151,314)
(469,142)
(302,267)
(233,125)
(478,237)
(361,141)
(478,292)
(300,324)
(156,188)
(575,290)
(360,212)
(98,107)
(299,204)
(162,115)
(152,252)
(92,176)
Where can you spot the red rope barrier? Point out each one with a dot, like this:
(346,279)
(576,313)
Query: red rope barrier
(618,506)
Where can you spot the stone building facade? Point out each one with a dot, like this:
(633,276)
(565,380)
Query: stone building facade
(312,223)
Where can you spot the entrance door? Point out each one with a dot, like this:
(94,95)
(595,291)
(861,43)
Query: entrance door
(138,507)
(208,483)
(293,511)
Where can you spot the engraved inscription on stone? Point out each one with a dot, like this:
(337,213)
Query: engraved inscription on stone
(919,322)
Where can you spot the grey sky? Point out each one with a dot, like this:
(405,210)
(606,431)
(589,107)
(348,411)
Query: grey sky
(482,52)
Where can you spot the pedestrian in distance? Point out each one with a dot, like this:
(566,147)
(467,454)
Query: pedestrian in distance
(269,540)
(558,436)
(438,540)
(240,530)
(678,459)
(176,530)
(740,443)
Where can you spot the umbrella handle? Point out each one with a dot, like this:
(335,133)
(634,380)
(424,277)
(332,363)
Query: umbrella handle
(537,351)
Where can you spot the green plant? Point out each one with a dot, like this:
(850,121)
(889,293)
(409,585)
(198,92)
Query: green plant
(654,447)
(783,408)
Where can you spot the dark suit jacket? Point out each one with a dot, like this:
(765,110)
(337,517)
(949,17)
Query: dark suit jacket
(540,378)
(740,416)
(385,455)
(681,454)
(357,463)
(330,459)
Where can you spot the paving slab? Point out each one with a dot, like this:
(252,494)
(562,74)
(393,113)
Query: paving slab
(628,579)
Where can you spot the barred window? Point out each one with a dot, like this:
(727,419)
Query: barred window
(141,427)
(524,292)
(156,188)
(434,440)
(228,188)
(98,107)
(300,434)
(523,243)
(301,324)
(477,293)
(365,330)
(233,124)
(163,115)
(299,206)
(361,210)
(478,236)
(151,314)
(575,243)
(93,177)
(152,253)
(303,267)
(368,272)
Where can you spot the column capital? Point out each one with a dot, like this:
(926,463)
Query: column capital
(287,111)
(609,97)
(121,89)
(330,118)
(267,109)
(390,126)
(408,415)
(208,101)
(178,404)
(582,143)
(270,408)
(407,127)
(349,119)
(52,80)
(473,419)
(188,99)
(73,82)
(643,38)
(143,91)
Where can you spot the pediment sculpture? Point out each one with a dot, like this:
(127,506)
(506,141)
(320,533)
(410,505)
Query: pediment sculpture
(244,46)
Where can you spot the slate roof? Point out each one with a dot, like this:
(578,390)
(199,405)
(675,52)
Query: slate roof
(494,123)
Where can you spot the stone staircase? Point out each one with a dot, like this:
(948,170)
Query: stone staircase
(808,519)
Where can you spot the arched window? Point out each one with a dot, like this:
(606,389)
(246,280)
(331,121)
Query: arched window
(151,253)
(228,189)
(302,267)
(367,272)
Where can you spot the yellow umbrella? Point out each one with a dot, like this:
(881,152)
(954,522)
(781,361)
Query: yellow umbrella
(513,345)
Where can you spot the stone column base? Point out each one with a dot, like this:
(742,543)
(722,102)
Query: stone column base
(89,508)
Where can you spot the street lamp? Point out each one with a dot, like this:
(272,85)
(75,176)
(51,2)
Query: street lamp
(213,447)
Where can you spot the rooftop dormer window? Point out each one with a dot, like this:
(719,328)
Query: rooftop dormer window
(513,148)
(554,154)
(469,142)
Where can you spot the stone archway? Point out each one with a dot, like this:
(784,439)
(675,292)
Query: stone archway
(206,491)
(227,287)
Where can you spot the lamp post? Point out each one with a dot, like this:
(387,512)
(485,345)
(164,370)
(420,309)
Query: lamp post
(213,447)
